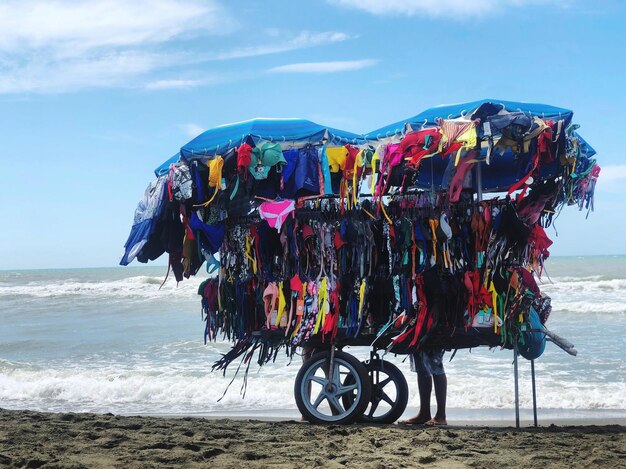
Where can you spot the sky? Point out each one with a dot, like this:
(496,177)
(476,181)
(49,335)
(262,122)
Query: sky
(95,94)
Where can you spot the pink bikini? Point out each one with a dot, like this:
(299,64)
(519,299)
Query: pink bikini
(276,212)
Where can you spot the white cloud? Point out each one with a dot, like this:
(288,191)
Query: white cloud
(42,74)
(173,84)
(433,8)
(68,26)
(303,40)
(324,67)
(65,45)
(191,130)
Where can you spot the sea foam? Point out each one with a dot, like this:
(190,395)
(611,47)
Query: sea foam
(128,288)
(175,388)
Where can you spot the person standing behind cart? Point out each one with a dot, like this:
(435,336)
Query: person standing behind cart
(428,364)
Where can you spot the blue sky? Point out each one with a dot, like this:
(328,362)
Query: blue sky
(95,94)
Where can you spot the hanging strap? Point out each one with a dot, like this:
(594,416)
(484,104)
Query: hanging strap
(249,254)
(375,159)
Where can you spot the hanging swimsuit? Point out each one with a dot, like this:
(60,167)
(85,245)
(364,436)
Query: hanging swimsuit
(421,144)
(451,129)
(275,213)
(336,158)
(214,233)
(456,186)
(270,300)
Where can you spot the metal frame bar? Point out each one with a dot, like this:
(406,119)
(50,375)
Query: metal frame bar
(515,374)
(532,374)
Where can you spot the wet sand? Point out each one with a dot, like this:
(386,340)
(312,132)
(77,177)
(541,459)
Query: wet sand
(34,439)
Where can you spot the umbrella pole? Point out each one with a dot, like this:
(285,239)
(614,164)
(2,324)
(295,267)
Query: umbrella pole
(516,384)
(532,373)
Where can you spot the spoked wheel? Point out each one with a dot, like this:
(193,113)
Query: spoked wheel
(321,398)
(390,393)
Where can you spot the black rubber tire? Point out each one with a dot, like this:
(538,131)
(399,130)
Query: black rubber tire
(396,378)
(356,375)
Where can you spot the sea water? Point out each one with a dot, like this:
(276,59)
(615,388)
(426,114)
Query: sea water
(109,340)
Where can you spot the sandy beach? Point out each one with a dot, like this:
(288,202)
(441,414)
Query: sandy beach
(34,439)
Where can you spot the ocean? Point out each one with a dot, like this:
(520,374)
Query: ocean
(108,340)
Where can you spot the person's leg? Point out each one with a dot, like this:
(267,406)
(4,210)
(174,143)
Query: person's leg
(441,390)
(441,387)
(424,386)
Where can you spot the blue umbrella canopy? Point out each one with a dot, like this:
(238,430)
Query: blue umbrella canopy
(505,169)
(224,138)
(164,168)
(429,117)
(221,139)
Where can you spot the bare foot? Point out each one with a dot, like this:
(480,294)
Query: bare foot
(417,420)
(436,422)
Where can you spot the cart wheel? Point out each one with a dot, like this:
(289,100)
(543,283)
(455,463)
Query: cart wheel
(390,393)
(320,399)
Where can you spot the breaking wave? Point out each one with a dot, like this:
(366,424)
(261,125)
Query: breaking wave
(170,389)
(587,294)
(146,287)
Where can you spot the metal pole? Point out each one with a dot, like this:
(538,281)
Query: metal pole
(532,374)
(516,383)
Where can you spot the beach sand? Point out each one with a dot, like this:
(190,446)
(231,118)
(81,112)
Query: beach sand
(35,439)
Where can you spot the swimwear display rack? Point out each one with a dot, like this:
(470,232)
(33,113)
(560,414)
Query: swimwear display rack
(316,239)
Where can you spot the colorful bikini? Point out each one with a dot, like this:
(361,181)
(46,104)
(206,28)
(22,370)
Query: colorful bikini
(275,213)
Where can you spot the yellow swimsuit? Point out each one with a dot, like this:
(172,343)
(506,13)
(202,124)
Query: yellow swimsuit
(336,158)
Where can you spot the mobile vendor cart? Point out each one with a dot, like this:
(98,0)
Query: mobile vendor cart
(321,239)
